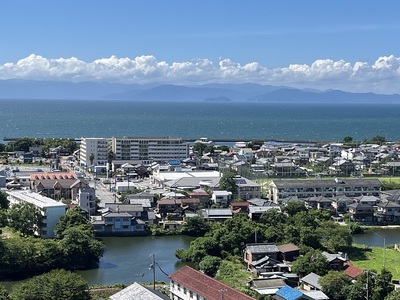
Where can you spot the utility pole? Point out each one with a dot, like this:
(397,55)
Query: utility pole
(153,266)
(222,293)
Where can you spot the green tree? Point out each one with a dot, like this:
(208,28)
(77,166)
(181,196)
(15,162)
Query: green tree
(312,261)
(3,292)
(25,218)
(378,139)
(293,208)
(4,203)
(80,248)
(73,217)
(228,182)
(57,285)
(199,148)
(210,264)
(195,226)
(91,158)
(347,139)
(394,295)
(334,285)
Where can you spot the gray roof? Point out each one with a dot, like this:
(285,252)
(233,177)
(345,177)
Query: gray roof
(312,279)
(262,248)
(137,292)
(262,209)
(325,183)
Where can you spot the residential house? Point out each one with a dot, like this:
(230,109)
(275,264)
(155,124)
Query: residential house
(255,212)
(247,189)
(189,284)
(361,212)
(202,195)
(336,261)
(118,224)
(86,199)
(221,197)
(388,212)
(267,265)
(310,282)
(342,167)
(216,214)
(288,252)
(256,251)
(239,207)
(318,202)
(266,286)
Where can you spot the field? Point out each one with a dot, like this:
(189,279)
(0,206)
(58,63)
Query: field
(374,258)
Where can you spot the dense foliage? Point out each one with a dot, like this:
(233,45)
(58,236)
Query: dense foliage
(23,144)
(75,248)
(308,229)
(25,218)
(57,284)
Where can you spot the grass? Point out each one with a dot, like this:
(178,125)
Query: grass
(373,258)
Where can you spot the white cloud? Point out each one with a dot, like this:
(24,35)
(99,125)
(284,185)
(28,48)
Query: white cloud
(382,76)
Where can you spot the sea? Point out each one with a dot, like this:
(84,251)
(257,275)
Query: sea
(242,121)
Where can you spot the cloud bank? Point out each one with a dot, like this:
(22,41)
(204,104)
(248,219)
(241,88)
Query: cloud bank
(383,76)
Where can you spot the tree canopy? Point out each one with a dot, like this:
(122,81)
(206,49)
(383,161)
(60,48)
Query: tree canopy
(228,182)
(57,284)
(25,218)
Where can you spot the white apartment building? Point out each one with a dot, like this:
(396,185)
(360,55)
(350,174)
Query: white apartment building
(100,148)
(51,210)
(156,149)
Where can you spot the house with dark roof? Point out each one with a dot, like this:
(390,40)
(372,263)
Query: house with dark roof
(288,252)
(189,284)
(256,251)
(266,286)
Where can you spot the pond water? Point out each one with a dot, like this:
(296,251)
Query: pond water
(378,236)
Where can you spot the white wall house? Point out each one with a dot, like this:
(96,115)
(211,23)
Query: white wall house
(51,210)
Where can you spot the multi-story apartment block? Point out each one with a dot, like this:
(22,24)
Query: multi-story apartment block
(51,210)
(155,149)
(99,147)
(280,189)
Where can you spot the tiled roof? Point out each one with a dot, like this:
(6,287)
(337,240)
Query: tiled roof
(262,248)
(353,271)
(288,248)
(292,183)
(205,286)
(137,292)
(312,279)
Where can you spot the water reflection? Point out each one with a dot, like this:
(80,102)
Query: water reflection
(128,259)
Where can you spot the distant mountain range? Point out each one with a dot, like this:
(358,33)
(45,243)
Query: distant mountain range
(60,90)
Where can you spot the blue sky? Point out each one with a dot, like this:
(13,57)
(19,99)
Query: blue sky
(351,45)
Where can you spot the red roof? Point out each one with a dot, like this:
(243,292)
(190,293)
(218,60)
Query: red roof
(353,271)
(206,286)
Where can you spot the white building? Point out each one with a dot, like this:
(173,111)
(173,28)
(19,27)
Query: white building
(86,199)
(100,148)
(156,149)
(51,209)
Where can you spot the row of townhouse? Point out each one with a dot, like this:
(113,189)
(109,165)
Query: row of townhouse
(54,185)
(99,151)
(281,189)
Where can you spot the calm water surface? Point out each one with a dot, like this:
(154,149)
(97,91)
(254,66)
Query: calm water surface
(376,236)
(127,259)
